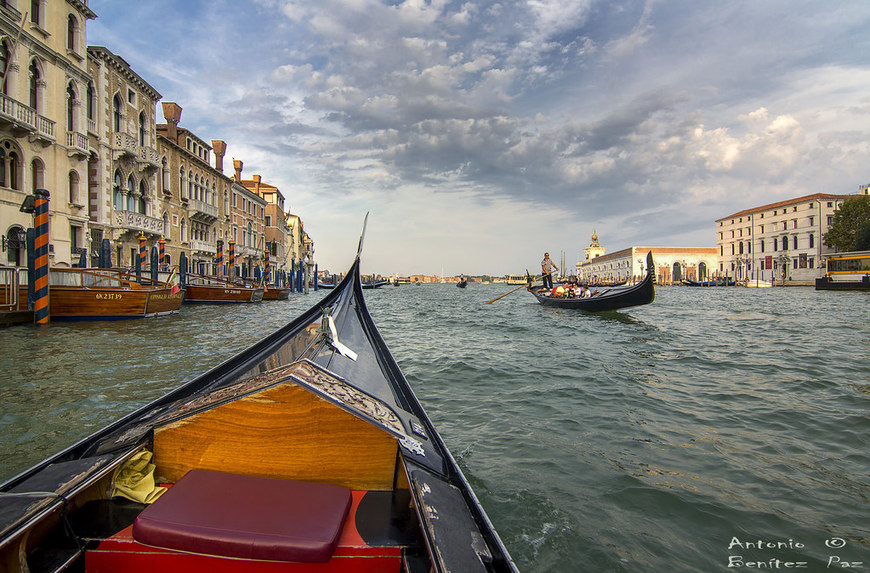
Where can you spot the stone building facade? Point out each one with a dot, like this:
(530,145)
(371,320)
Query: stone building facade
(43,124)
(124,161)
(780,241)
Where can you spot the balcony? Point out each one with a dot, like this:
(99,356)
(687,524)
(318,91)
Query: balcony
(24,120)
(133,221)
(243,251)
(202,247)
(77,144)
(202,211)
(149,158)
(124,144)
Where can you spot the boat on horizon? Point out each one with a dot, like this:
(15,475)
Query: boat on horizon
(307,451)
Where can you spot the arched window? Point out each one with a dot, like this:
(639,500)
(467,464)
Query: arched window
(142,129)
(70,107)
(190,194)
(92,102)
(143,193)
(250,234)
(74,187)
(785,243)
(131,194)
(116,113)
(37,174)
(164,175)
(10,165)
(35,78)
(4,64)
(183,231)
(181,185)
(117,194)
(72,32)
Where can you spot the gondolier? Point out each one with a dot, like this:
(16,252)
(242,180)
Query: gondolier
(547,267)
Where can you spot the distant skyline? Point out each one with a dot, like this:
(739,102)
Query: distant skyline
(481,134)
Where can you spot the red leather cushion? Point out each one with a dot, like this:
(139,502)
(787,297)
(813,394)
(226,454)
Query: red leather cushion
(247,517)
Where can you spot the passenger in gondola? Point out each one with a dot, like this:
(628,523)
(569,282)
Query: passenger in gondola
(547,267)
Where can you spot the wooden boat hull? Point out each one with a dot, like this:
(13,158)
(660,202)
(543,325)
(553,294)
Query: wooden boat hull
(608,299)
(88,303)
(319,404)
(276,294)
(221,294)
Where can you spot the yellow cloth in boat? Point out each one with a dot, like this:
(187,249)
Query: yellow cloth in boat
(135,479)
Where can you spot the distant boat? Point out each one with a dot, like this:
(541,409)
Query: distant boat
(463,282)
(713,283)
(607,299)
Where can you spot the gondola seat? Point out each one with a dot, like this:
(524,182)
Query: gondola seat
(246,517)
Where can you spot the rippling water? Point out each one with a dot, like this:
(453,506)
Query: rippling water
(662,438)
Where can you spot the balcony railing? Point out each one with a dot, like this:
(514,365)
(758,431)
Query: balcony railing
(149,156)
(243,251)
(202,210)
(207,247)
(133,221)
(77,143)
(125,144)
(26,118)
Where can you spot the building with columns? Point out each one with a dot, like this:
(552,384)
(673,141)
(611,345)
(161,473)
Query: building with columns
(122,182)
(44,124)
(672,265)
(194,194)
(778,241)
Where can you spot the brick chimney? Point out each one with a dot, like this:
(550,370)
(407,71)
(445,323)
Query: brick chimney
(219,147)
(172,114)
(257,180)
(237,165)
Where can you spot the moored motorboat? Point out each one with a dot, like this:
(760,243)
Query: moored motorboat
(605,299)
(307,451)
(276,293)
(211,289)
(105,294)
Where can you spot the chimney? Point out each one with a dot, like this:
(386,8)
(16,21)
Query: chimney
(257,180)
(172,114)
(219,147)
(237,165)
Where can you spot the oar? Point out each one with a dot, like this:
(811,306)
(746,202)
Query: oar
(515,290)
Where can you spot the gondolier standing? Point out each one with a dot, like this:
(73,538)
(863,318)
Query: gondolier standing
(547,267)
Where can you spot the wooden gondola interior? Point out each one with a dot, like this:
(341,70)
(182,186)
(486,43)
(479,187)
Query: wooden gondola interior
(242,452)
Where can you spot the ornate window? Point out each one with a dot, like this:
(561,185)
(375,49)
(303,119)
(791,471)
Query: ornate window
(117,195)
(72,32)
(4,64)
(116,113)
(37,172)
(143,192)
(74,187)
(10,165)
(70,107)
(35,81)
(131,190)
(142,129)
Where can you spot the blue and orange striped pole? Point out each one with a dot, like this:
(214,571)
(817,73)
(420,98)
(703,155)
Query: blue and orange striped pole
(267,271)
(140,263)
(40,306)
(232,259)
(220,258)
(161,246)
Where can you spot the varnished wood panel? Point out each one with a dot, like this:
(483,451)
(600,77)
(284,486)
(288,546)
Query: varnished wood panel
(285,432)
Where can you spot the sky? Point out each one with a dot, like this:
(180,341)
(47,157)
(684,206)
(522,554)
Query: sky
(479,134)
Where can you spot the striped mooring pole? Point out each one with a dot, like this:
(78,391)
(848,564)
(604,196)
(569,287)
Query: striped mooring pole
(140,260)
(231,271)
(220,258)
(40,304)
(161,246)
(267,270)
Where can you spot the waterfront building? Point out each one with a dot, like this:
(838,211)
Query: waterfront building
(194,195)
(122,195)
(275,221)
(300,247)
(247,224)
(44,94)
(779,241)
(673,264)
